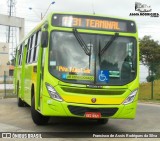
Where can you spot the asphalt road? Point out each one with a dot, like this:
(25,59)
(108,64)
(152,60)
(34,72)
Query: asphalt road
(18,119)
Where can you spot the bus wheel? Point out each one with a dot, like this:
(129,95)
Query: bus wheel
(36,116)
(102,121)
(19,100)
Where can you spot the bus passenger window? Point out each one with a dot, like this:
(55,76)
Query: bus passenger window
(30,49)
(38,37)
(33,47)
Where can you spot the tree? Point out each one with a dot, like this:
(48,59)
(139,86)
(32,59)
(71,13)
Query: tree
(150,56)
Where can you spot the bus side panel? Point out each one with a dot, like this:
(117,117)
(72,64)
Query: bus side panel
(38,79)
(28,83)
(33,82)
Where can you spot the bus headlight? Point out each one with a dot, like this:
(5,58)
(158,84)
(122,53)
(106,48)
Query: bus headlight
(131,97)
(53,93)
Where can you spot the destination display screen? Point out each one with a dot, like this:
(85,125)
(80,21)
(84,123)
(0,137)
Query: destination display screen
(93,22)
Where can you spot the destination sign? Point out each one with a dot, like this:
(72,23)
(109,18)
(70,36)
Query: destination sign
(93,22)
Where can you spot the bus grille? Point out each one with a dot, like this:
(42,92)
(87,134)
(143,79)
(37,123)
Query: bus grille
(93,91)
(80,111)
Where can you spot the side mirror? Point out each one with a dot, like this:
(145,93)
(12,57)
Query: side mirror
(44,39)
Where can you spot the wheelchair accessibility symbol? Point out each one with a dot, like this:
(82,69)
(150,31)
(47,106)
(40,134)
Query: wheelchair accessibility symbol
(103,76)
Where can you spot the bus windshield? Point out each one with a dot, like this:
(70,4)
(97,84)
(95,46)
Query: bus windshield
(69,62)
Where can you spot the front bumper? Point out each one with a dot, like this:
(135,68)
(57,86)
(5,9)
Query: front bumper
(51,107)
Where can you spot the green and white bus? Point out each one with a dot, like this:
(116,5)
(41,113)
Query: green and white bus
(79,65)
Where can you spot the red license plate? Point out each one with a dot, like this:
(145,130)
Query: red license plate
(93,115)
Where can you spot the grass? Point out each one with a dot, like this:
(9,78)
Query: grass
(7,91)
(7,82)
(9,94)
(145,92)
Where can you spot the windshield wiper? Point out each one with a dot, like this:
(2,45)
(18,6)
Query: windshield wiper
(108,44)
(81,42)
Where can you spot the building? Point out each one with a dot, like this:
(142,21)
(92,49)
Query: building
(4,58)
(11,70)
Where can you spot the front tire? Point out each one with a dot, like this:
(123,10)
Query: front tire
(36,116)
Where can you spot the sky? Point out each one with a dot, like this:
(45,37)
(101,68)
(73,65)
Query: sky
(146,25)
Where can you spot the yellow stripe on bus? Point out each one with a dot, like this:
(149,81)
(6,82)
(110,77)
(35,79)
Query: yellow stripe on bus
(88,100)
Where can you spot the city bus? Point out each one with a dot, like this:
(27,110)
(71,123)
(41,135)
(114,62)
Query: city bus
(79,65)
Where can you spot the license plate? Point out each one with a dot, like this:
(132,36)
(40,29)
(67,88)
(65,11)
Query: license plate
(93,115)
